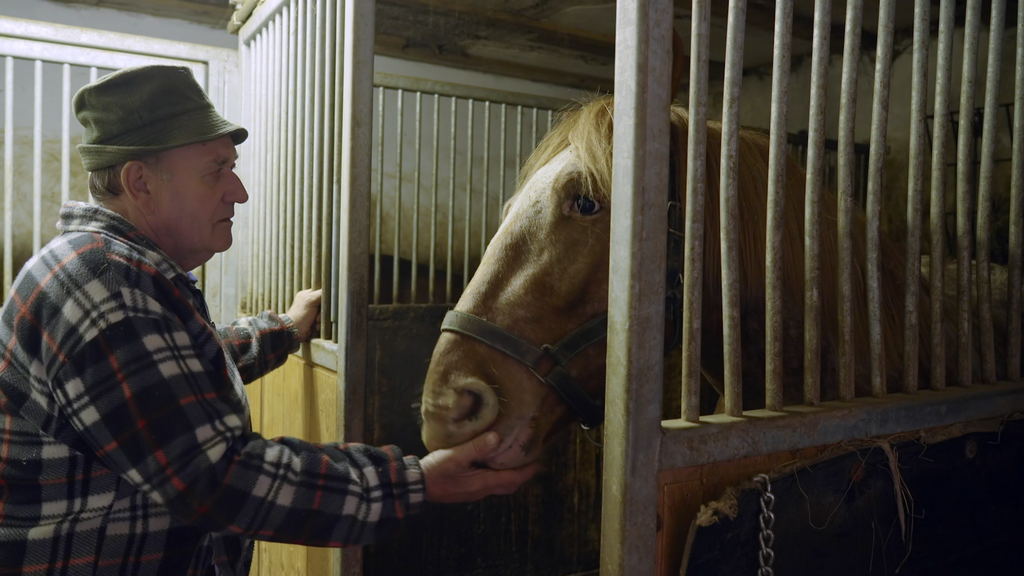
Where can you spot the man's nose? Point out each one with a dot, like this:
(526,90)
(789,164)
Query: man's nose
(238,193)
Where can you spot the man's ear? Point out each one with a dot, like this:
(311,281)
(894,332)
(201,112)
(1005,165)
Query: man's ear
(135,178)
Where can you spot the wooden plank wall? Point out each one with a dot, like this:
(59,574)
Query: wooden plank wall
(298,400)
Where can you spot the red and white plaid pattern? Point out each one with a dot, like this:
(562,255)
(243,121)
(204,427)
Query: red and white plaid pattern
(125,446)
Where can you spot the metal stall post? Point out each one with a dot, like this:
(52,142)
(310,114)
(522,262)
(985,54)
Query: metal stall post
(1016,212)
(777,156)
(353,177)
(844,240)
(636,292)
(812,202)
(915,189)
(964,192)
(879,124)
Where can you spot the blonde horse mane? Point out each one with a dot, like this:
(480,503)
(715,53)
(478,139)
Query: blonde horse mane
(587,127)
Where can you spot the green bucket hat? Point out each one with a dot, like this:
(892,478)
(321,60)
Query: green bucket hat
(143,110)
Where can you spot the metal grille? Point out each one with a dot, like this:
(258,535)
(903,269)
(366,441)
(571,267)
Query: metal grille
(443,168)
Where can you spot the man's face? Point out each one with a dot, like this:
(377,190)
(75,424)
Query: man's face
(195,190)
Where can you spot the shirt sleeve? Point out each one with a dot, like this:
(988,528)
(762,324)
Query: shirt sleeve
(156,412)
(259,344)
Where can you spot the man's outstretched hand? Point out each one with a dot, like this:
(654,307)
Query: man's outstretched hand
(451,475)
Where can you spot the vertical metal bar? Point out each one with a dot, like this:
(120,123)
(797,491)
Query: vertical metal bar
(1016,240)
(399,179)
(636,292)
(250,55)
(378,218)
(533,128)
(416,200)
(696,181)
(519,138)
(915,191)
(504,159)
(37,161)
(777,157)
(317,160)
(306,164)
(275,250)
(329,232)
(260,180)
(988,153)
(816,183)
(451,207)
(469,195)
(65,134)
(335,142)
(8,174)
(434,155)
(487,177)
(357,126)
(288,191)
(964,191)
(879,124)
(729,207)
(937,213)
(847,116)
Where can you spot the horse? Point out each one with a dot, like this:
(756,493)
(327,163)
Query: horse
(544,279)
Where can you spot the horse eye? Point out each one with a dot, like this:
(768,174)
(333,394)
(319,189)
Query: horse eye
(586,205)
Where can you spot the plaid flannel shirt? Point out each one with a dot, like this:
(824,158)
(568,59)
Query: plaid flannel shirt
(125,445)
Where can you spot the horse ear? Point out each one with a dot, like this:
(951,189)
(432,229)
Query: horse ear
(679,62)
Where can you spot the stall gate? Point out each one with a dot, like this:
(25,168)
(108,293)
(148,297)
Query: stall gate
(44,65)
(317,196)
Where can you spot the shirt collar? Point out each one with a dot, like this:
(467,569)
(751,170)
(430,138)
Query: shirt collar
(82,217)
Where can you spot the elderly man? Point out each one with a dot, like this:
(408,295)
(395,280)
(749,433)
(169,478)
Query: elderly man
(126,445)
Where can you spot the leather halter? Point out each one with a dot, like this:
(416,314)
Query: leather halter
(587,409)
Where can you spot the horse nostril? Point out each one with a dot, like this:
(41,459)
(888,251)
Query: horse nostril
(468,404)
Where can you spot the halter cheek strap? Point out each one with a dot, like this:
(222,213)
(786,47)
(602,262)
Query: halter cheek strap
(589,410)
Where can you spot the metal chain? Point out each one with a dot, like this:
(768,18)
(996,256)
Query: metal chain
(767,537)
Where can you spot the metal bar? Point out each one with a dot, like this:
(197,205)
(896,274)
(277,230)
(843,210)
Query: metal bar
(720,438)
(305,160)
(696,181)
(277,271)
(469,195)
(519,138)
(879,124)
(37,160)
(816,183)
(451,207)
(533,129)
(847,158)
(504,159)
(1016,240)
(378,218)
(984,226)
(729,208)
(8,174)
(937,214)
(317,160)
(288,191)
(777,158)
(336,177)
(915,191)
(413,292)
(65,134)
(399,179)
(434,155)
(636,292)
(250,55)
(487,177)
(964,191)
(329,232)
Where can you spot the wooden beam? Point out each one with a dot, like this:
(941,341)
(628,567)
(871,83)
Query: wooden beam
(396,47)
(214,13)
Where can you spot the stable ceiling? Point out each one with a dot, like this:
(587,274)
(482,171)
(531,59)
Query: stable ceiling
(566,42)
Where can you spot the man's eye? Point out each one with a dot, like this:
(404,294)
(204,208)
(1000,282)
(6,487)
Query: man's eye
(586,205)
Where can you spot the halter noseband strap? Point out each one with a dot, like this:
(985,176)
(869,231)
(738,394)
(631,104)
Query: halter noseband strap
(589,410)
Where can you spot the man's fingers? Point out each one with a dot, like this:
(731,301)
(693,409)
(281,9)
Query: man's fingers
(483,445)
